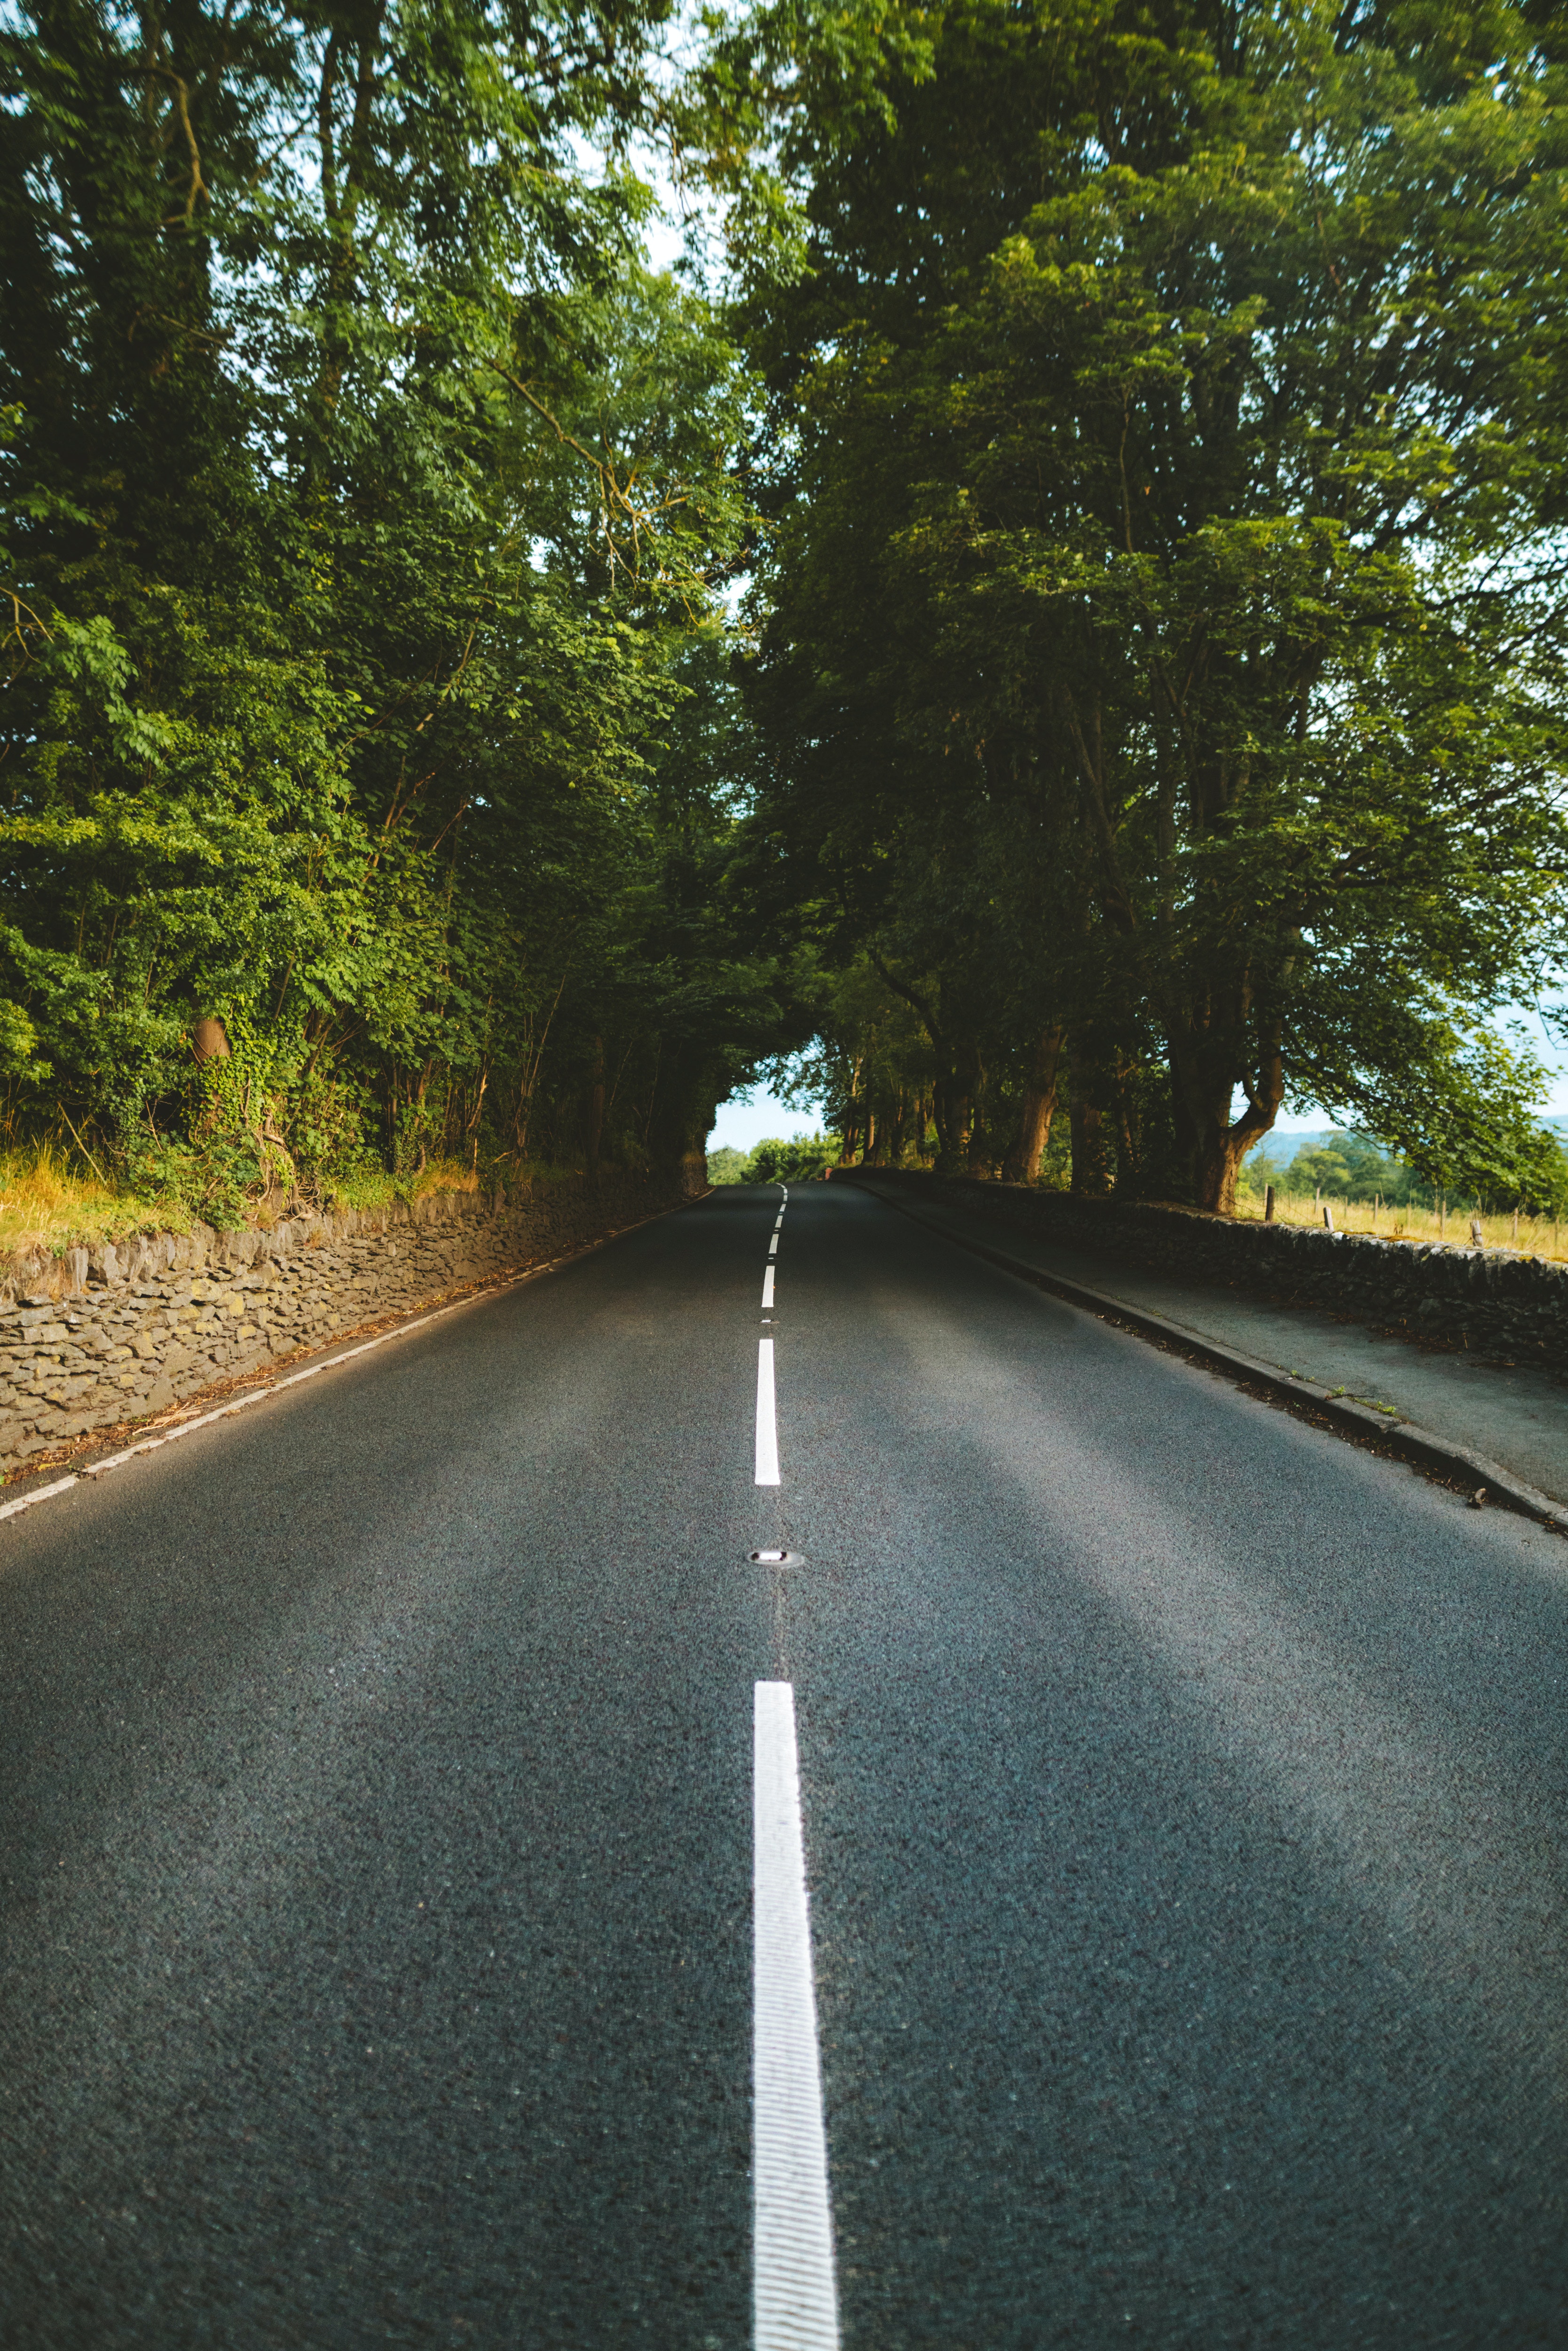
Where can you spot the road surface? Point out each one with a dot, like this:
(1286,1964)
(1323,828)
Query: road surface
(1181,1798)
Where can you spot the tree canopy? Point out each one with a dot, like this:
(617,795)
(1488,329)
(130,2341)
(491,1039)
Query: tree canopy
(367,499)
(1162,639)
(1072,619)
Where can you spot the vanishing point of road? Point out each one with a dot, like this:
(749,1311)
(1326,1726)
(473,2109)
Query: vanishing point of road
(406,1787)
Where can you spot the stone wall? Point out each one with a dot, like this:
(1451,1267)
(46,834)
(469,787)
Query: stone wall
(1492,1301)
(94,1337)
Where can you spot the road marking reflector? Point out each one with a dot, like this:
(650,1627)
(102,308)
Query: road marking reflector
(794,2298)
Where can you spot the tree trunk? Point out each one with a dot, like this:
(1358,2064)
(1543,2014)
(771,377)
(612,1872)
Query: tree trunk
(1220,1157)
(956,1091)
(944,1108)
(1091,1157)
(1027,1149)
(210,1040)
(595,1121)
(1221,1145)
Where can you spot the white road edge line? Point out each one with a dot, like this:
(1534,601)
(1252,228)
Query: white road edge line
(795,2301)
(766,1417)
(274,1387)
(767,1286)
(26,1501)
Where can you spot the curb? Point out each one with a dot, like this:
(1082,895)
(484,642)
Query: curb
(494,1287)
(1403,1437)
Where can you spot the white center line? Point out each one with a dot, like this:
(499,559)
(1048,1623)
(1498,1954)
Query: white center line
(794,2298)
(773,1246)
(767,1419)
(767,1286)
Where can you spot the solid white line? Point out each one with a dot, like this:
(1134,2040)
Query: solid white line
(273,1387)
(773,1246)
(493,1288)
(767,1286)
(794,2300)
(26,1501)
(766,1419)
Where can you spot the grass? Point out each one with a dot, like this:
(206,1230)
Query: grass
(48,1203)
(52,1200)
(1545,1237)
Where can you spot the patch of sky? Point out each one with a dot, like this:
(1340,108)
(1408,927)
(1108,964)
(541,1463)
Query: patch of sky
(753,1115)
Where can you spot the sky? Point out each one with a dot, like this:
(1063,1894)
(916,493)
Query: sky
(742,1123)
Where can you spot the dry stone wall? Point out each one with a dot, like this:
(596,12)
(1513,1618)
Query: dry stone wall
(98,1336)
(1492,1301)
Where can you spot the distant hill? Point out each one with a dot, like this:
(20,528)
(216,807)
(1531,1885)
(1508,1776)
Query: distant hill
(1279,1150)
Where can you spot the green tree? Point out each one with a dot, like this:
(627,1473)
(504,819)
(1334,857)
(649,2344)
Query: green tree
(1168,513)
(364,501)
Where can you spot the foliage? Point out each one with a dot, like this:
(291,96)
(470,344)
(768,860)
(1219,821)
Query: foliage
(1164,635)
(802,1160)
(363,500)
(1145,712)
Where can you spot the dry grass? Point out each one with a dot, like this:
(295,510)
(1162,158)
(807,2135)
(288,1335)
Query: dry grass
(51,1201)
(1544,1237)
(47,1202)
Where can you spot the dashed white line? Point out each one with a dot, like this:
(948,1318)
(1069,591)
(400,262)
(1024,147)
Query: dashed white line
(767,1286)
(773,1246)
(766,1419)
(794,2297)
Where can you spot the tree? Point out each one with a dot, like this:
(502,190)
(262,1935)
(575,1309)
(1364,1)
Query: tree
(364,499)
(1168,511)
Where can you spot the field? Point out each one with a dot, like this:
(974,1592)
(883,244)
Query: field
(1544,1237)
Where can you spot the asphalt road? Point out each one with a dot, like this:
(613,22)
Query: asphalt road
(1184,1816)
